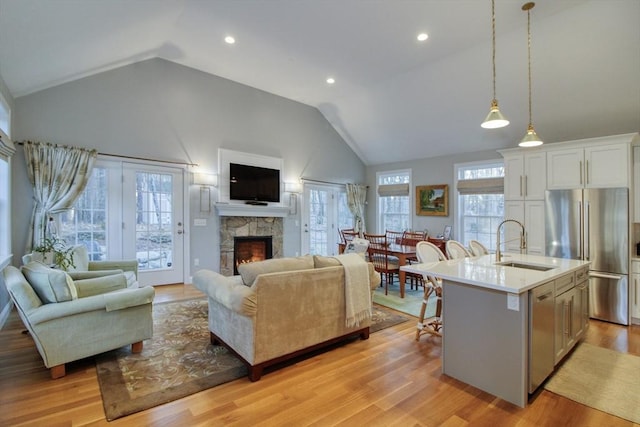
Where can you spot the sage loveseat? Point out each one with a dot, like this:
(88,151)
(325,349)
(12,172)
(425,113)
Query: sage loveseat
(280,308)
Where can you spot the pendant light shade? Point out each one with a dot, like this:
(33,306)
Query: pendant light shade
(531,138)
(494,119)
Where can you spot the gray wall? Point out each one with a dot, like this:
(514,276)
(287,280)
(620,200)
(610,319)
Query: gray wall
(161,110)
(431,171)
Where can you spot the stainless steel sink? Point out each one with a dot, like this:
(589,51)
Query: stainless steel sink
(516,264)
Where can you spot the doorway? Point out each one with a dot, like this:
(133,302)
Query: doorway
(324,213)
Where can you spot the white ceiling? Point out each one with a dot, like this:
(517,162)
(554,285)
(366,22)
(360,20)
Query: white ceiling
(394,98)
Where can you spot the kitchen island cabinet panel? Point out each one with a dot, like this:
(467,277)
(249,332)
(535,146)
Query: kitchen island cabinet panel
(485,342)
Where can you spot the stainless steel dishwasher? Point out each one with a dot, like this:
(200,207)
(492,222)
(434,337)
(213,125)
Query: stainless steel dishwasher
(541,333)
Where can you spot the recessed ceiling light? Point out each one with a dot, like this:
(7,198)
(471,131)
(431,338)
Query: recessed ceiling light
(331,80)
(422,37)
(229,40)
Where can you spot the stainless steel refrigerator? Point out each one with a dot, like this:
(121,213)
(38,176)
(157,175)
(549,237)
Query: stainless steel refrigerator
(593,224)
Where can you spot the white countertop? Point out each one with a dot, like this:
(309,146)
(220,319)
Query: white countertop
(483,272)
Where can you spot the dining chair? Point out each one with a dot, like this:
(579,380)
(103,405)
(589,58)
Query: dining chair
(411,238)
(477,248)
(456,250)
(427,252)
(383,263)
(394,236)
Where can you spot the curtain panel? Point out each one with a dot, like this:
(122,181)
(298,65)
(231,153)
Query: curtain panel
(6,146)
(356,200)
(58,175)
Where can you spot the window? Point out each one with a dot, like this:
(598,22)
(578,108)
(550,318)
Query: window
(6,152)
(394,204)
(480,201)
(5,116)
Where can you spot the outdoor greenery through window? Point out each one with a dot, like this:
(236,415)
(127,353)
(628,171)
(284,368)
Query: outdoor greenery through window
(394,211)
(480,213)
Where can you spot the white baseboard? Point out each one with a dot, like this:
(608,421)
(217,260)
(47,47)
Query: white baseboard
(4,315)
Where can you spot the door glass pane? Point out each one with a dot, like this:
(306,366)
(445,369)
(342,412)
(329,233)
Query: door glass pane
(345,217)
(154,237)
(318,222)
(86,223)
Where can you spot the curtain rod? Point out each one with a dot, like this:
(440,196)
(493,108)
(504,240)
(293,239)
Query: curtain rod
(323,182)
(137,158)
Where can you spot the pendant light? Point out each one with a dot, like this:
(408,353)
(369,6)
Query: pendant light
(494,119)
(531,139)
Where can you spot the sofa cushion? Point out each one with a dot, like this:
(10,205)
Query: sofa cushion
(50,285)
(251,270)
(320,261)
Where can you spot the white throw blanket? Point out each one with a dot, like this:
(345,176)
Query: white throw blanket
(357,291)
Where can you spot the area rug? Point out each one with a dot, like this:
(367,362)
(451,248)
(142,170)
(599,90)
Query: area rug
(178,361)
(410,304)
(602,379)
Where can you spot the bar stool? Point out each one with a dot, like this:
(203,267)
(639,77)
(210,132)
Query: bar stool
(428,253)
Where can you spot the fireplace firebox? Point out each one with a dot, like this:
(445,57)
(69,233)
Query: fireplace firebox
(251,249)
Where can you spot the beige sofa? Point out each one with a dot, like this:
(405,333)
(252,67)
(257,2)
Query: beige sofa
(280,308)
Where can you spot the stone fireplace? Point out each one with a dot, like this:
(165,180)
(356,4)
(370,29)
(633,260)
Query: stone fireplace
(242,227)
(251,249)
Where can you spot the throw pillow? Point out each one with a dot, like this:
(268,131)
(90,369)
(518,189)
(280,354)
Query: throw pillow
(80,259)
(251,270)
(357,245)
(50,285)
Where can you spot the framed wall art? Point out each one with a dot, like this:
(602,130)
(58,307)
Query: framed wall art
(432,200)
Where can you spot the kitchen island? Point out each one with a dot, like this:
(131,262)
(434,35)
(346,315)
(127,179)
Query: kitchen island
(491,338)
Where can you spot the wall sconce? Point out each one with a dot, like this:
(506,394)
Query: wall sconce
(293,188)
(205,181)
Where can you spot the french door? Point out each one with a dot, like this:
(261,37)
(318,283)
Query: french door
(153,222)
(132,211)
(324,213)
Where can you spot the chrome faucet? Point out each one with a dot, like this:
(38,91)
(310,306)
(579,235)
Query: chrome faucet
(523,243)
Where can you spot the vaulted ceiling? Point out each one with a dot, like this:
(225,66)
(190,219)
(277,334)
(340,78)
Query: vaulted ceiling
(394,98)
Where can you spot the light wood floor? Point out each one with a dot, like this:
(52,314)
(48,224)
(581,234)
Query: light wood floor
(387,380)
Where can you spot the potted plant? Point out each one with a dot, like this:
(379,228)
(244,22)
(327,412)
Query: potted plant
(55,251)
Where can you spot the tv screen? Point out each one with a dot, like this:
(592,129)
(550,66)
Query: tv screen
(253,183)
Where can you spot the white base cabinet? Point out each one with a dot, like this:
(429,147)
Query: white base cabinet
(634,292)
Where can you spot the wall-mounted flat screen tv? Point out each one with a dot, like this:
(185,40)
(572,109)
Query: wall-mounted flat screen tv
(253,183)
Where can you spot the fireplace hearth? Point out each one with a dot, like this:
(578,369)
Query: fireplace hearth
(232,227)
(251,249)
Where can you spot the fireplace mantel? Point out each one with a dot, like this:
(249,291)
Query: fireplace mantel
(235,209)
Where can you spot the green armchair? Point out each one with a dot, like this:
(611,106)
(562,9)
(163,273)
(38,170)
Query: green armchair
(73,319)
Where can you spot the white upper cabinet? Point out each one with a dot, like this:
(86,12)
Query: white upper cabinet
(596,166)
(531,215)
(525,176)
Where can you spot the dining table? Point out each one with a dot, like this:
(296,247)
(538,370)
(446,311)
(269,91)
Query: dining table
(404,253)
